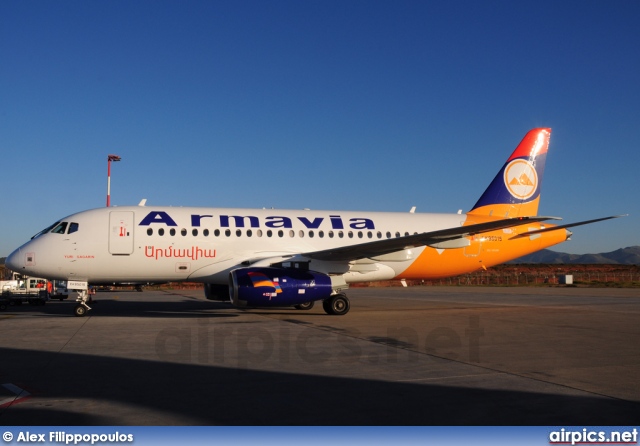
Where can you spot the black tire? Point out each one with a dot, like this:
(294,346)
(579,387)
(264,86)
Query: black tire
(3,306)
(336,305)
(80,310)
(305,306)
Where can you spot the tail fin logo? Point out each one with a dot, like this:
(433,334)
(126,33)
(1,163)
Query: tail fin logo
(521,179)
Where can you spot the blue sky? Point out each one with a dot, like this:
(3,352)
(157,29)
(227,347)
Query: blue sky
(363,105)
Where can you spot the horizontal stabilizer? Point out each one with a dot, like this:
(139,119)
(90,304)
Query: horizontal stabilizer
(570,225)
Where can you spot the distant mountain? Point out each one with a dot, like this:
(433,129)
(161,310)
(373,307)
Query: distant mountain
(622,256)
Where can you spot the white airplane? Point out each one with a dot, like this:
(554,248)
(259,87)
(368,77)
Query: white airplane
(273,258)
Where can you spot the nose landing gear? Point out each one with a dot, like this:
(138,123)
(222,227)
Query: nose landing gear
(81,309)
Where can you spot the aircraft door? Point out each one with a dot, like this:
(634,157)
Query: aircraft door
(121,232)
(473,250)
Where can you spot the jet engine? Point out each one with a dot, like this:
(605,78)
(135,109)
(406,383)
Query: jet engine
(277,287)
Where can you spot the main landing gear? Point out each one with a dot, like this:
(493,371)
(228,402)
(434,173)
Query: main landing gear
(81,309)
(305,306)
(337,305)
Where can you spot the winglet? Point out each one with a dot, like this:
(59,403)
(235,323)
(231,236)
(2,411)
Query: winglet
(515,191)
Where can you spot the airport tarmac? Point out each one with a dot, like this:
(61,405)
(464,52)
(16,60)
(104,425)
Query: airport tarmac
(401,356)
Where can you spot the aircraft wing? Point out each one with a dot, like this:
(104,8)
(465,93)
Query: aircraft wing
(381,247)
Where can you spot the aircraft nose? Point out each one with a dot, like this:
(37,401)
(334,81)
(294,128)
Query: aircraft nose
(14,261)
(569,234)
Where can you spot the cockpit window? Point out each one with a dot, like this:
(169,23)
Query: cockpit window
(44,231)
(73,227)
(60,229)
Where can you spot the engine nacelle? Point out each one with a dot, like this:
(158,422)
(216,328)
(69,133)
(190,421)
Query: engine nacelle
(277,287)
(216,292)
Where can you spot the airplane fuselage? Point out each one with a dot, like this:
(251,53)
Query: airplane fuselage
(149,244)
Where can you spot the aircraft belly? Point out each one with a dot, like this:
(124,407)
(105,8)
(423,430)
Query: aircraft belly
(217,272)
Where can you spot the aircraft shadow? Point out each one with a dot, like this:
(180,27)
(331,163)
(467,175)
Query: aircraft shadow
(185,307)
(105,306)
(196,394)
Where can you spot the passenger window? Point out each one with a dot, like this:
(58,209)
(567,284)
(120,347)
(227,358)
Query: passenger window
(172,231)
(194,232)
(73,227)
(149,231)
(161,231)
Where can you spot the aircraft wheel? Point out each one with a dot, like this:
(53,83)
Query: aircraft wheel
(337,305)
(80,310)
(305,306)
